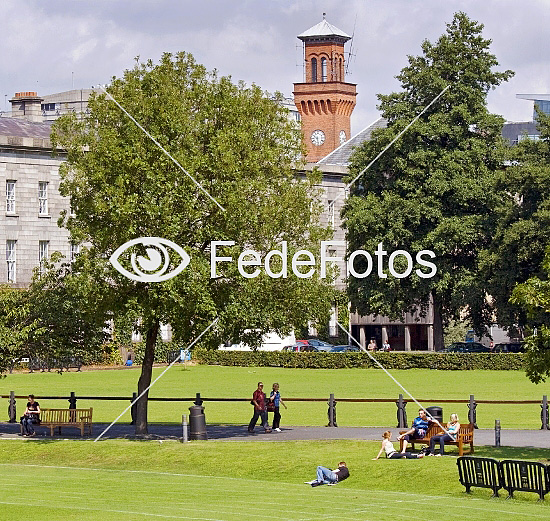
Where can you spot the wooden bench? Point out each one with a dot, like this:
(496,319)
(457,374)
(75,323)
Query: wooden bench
(57,418)
(464,437)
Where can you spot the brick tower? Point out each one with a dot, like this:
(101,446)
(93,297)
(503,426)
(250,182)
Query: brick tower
(325,101)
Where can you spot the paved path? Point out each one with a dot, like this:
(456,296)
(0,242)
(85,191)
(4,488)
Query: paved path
(513,438)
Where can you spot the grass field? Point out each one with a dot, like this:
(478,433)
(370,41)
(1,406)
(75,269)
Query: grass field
(208,481)
(240,382)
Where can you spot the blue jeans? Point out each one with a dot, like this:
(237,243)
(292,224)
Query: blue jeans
(27,425)
(325,475)
(441,440)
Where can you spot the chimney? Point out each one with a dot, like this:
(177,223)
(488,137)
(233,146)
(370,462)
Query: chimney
(27,105)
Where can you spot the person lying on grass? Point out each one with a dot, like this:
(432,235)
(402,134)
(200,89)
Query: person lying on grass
(326,476)
(391,453)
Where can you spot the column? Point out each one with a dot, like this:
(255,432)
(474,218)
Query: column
(430,338)
(384,334)
(362,338)
(407,338)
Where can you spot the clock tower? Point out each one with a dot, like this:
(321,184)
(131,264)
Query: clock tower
(325,101)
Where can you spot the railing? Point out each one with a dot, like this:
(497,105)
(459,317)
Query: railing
(401,404)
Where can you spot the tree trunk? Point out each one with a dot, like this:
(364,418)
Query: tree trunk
(439,341)
(145,378)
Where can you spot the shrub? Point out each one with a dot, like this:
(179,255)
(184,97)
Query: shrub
(393,360)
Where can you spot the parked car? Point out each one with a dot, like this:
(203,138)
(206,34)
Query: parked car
(299,347)
(509,347)
(345,349)
(467,347)
(320,345)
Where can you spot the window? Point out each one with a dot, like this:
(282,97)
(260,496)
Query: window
(313,70)
(323,69)
(10,196)
(43,198)
(331,212)
(75,250)
(10,258)
(42,253)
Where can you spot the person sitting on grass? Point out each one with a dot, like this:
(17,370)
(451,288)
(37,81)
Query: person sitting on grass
(326,476)
(452,430)
(31,416)
(419,428)
(391,453)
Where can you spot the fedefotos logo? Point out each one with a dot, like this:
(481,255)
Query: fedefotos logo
(153,266)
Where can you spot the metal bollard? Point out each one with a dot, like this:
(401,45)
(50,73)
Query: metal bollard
(472,415)
(12,411)
(198,399)
(401,413)
(72,400)
(184,438)
(544,413)
(331,411)
(497,433)
(133,410)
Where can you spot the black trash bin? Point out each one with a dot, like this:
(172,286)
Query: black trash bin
(197,423)
(436,413)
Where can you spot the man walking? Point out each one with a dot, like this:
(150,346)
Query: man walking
(259,403)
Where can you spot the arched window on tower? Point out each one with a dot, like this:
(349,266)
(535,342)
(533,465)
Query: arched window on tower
(314,70)
(341,70)
(323,69)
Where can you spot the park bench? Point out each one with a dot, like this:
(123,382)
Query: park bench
(465,436)
(57,418)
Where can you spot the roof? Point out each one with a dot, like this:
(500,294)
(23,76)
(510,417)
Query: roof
(534,97)
(15,127)
(323,28)
(341,155)
(514,131)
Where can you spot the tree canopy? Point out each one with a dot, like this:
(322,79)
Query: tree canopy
(240,145)
(433,188)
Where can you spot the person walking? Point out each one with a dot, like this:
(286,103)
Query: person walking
(259,403)
(275,401)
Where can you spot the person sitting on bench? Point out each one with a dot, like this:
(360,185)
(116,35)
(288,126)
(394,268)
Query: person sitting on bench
(31,416)
(452,429)
(391,453)
(419,428)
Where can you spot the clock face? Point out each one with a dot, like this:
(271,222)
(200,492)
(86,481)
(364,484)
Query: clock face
(342,136)
(318,137)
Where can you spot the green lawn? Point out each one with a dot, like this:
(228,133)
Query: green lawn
(124,480)
(233,382)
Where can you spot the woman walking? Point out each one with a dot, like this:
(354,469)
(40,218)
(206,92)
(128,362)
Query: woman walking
(275,401)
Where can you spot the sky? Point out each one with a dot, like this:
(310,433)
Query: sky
(54,45)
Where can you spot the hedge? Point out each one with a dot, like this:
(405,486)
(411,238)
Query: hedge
(393,360)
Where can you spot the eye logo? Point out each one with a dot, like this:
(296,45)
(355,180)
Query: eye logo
(157,260)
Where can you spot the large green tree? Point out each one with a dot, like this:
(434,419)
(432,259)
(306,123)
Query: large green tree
(433,189)
(523,231)
(533,296)
(240,145)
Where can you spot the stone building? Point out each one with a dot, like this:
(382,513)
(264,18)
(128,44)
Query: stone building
(31,205)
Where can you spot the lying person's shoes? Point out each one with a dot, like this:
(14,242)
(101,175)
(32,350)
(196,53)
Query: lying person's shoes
(316,483)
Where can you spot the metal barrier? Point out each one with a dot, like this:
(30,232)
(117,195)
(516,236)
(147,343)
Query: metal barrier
(525,476)
(479,472)
(511,475)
